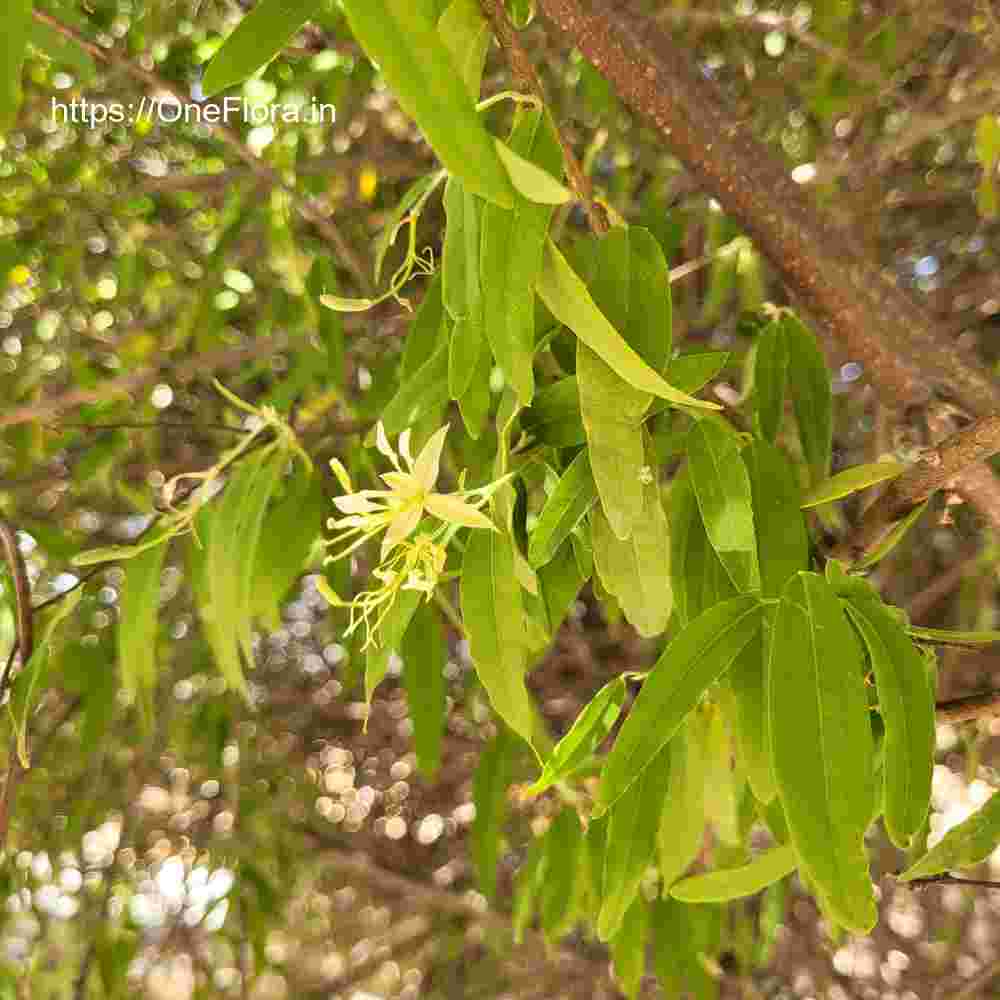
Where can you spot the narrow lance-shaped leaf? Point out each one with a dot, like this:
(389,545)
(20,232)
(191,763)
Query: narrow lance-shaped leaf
(722,487)
(428,85)
(137,626)
(681,833)
(567,506)
(637,570)
(734,883)
(494,620)
(425,654)
(962,846)
(955,637)
(420,393)
(628,948)
(512,244)
(588,731)
(489,793)
(388,640)
(906,704)
(892,537)
(559,892)
(770,375)
(559,582)
(859,477)
(696,657)
(809,380)
(821,745)
(631,842)
(466,35)
(568,300)
(262,33)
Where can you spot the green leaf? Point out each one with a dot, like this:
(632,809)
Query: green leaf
(631,841)
(567,298)
(340,304)
(466,35)
(137,626)
(988,141)
(163,530)
(770,376)
(489,793)
(724,783)
(425,654)
(262,33)
(62,51)
(963,846)
(388,640)
(292,527)
(420,393)
(474,403)
(612,413)
(530,879)
(560,581)
(628,948)
(735,883)
(588,731)
(956,637)
(428,84)
(531,181)
(561,885)
(681,833)
(698,579)
(554,415)
(512,247)
(782,539)
(567,506)
(722,487)
(843,484)
(684,937)
(412,201)
(428,329)
(810,384)
(821,745)
(906,704)
(697,656)
(15,20)
(748,681)
(321,280)
(637,570)
(892,538)
(495,626)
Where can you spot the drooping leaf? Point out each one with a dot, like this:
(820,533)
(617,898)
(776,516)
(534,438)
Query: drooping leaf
(262,33)
(906,704)
(734,883)
(429,86)
(557,897)
(137,626)
(681,832)
(493,614)
(637,570)
(489,793)
(428,329)
(748,682)
(554,415)
(512,244)
(628,948)
(843,484)
(567,298)
(568,505)
(422,392)
(724,780)
(770,375)
(697,656)
(321,280)
(631,841)
(528,886)
(809,381)
(425,654)
(466,35)
(588,731)
(531,181)
(821,745)
(722,486)
(963,846)
(892,537)
(388,640)
(685,936)
(559,581)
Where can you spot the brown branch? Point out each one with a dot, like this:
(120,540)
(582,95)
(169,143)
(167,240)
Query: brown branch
(527,78)
(26,645)
(262,170)
(937,469)
(946,879)
(229,357)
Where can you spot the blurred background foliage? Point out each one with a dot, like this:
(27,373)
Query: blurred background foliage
(279,850)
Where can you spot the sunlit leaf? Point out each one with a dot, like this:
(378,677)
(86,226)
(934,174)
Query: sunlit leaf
(735,883)
(843,484)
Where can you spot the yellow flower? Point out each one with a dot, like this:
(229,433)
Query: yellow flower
(410,495)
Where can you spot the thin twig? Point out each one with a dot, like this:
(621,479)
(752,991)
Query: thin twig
(526,76)
(973,706)
(946,879)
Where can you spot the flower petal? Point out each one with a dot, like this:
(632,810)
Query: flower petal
(337,467)
(402,485)
(404,448)
(402,525)
(449,507)
(357,503)
(382,443)
(428,462)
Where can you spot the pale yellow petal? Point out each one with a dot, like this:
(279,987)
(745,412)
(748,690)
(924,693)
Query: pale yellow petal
(428,462)
(356,503)
(382,443)
(402,525)
(449,507)
(337,467)
(404,448)
(401,483)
